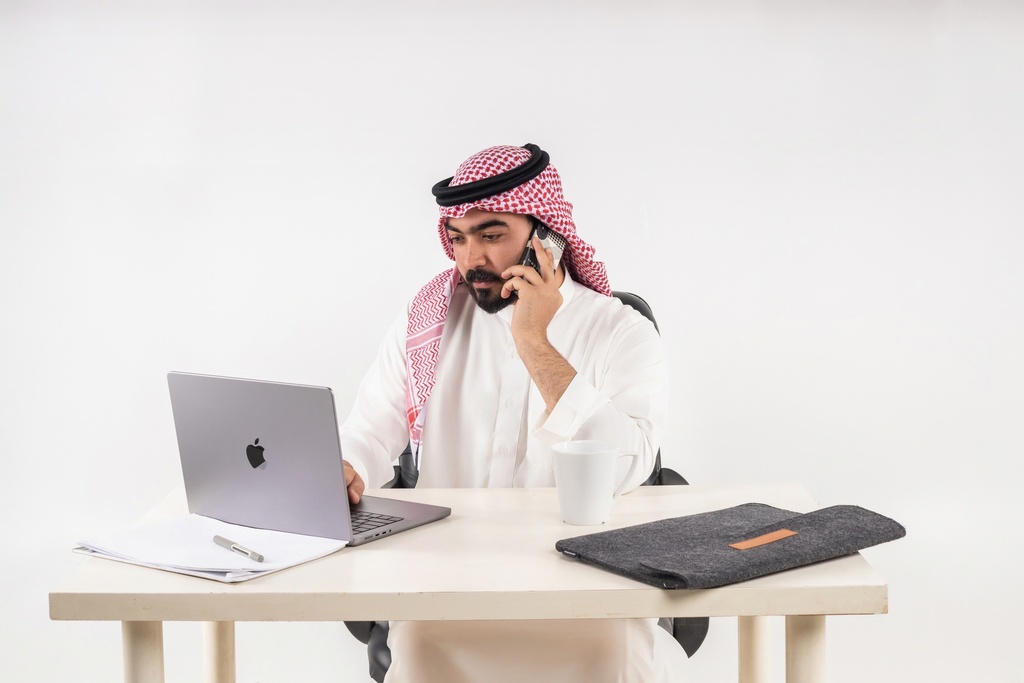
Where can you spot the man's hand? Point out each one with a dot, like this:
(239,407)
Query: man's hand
(539,300)
(354,483)
(538,294)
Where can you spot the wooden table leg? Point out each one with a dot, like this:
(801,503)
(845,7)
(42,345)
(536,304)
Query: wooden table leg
(753,649)
(805,649)
(143,643)
(219,651)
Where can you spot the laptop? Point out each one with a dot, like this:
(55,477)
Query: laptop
(268,455)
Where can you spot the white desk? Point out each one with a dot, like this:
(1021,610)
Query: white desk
(494,558)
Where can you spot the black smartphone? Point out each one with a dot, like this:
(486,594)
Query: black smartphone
(550,239)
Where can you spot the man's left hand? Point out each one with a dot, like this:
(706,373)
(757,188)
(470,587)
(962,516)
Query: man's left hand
(538,294)
(539,300)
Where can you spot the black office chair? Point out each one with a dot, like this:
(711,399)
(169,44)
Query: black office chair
(689,632)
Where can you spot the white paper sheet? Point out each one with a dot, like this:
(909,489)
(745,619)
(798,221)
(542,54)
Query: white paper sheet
(185,545)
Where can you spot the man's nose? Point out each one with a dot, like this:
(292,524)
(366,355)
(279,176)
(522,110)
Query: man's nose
(475,255)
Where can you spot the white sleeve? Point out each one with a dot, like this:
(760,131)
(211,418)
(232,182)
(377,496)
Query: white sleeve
(622,398)
(376,431)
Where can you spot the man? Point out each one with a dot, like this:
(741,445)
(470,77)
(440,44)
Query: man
(492,363)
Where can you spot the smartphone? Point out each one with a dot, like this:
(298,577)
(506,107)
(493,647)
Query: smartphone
(550,239)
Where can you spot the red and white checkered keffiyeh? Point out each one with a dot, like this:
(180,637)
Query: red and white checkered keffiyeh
(540,197)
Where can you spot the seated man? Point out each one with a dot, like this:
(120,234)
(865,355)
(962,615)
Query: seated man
(491,364)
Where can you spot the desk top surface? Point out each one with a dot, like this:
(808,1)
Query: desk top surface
(494,558)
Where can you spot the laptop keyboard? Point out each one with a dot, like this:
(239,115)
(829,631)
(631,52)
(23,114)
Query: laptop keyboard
(363,521)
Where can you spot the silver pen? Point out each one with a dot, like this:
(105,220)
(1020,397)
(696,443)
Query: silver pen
(231,545)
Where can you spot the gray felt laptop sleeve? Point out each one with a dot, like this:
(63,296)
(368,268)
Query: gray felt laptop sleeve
(731,545)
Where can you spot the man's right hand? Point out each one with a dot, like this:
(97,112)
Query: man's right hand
(354,483)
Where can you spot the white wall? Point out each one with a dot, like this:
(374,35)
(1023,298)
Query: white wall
(822,202)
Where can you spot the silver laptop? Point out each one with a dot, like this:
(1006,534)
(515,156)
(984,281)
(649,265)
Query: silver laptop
(268,455)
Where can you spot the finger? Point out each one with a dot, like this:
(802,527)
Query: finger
(544,259)
(513,285)
(525,273)
(354,484)
(355,490)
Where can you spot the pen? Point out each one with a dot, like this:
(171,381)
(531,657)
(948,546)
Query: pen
(231,545)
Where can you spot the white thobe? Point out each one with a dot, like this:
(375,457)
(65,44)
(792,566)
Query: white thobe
(486,425)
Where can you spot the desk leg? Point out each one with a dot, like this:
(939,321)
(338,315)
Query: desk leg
(805,649)
(753,646)
(143,643)
(219,651)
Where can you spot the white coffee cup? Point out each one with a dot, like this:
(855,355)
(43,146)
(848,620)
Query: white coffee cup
(585,477)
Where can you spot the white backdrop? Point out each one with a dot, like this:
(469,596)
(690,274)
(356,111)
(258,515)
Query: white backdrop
(822,202)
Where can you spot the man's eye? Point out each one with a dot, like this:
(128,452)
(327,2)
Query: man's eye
(491,238)
(456,239)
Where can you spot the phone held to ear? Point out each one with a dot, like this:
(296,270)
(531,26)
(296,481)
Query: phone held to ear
(550,239)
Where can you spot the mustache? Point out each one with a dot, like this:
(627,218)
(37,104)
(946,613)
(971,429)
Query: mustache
(481,275)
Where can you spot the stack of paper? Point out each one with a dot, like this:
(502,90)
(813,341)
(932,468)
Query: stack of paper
(185,545)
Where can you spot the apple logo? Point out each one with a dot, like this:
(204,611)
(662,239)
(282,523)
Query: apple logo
(255,454)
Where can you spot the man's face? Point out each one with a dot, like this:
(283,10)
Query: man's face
(485,244)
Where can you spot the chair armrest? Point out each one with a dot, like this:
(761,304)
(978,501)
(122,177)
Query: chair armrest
(669,477)
(360,629)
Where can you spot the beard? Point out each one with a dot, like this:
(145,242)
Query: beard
(487,299)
